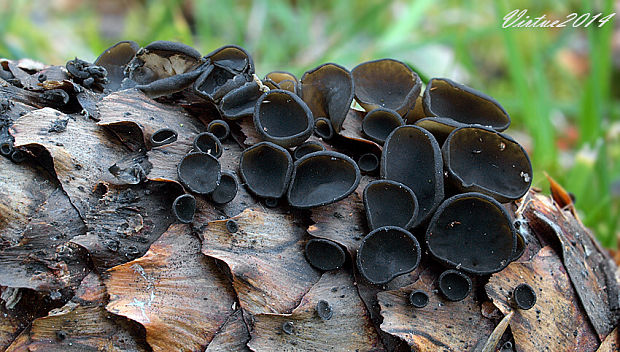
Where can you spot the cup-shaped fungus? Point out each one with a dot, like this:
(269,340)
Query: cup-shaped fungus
(328,91)
(324,254)
(184,207)
(240,102)
(323,128)
(454,285)
(368,162)
(162,59)
(386,253)
(472,232)
(307,148)
(114,59)
(284,80)
(440,127)
(199,172)
(206,142)
(482,160)
(226,190)
(219,128)
(390,203)
(266,169)
(322,178)
(324,310)
(418,298)
(379,123)
(523,297)
(281,117)
(386,83)
(215,82)
(232,58)
(412,156)
(465,105)
(163,136)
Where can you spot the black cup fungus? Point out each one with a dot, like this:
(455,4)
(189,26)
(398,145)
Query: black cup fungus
(454,285)
(386,253)
(284,80)
(418,298)
(386,83)
(412,156)
(473,233)
(328,91)
(440,127)
(323,128)
(232,226)
(446,98)
(324,310)
(379,123)
(240,102)
(18,156)
(6,147)
(219,128)
(114,59)
(184,207)
(288,327)
(523,297)
(199,172)
(163,136)
(281,117)
(266,169)
(324,254)
(482,160)
(368,162)
(215,82)
(232,58)
(322,178)
(390,203)
(307,148)
(208,143)
(226,190)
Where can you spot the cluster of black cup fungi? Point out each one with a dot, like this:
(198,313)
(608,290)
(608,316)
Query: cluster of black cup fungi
(445,166)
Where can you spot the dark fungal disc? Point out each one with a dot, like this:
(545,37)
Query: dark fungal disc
(418,298)
(390,203)
(240,102)
(284,80)
(446,98)
(281,117)
(412,156)
(386,83)
(219,128)
(288,327)
(328,91)
(233,58)
(226,190)
(206,142)
(323,128)
(271,202)
(266,169)
(184,207)
(324,310)
(368,163)
(440,127)
(379,123)
(472,232)
(163,136)
(324,254)
(19,156)
(114,59)
(454,285)
(482,160)
(322,178)
(386,253)
(307,148)
(523,297)
(6,147)
(199,172)
(215,82)
(232,226)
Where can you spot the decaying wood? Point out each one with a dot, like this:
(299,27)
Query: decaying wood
(177,294)
(232,337)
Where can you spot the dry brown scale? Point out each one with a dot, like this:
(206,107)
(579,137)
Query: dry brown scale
(161,199)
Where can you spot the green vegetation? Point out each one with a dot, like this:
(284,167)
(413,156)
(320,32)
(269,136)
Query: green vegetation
(556,83)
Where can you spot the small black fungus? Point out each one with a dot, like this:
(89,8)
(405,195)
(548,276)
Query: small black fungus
(58,126)
(328,91)
(412,156)
(215,82)
(184,207)
(322,178)
(418,298)
(199,172)
(226,190)
(281,117)
(132,252)
(271,202)
(324,254)
(6,147)
(307,148)
(163,136)
(440,127)
(87,74)
(324,310)
(208,143)
(472,232)
(114,59)
(386,83)
(219,128)
(454,285)
(465,105)
(524,297)
(240,102)
(386,253)
(18,156)
(288,327)
(61,335)
(232,58)
(379,123)
(284,80)
(323,128)
(57,97)
(482,160)
(266,169)
(390,203)
(368,162)
(232,226)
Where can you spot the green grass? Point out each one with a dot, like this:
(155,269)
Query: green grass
(522,68)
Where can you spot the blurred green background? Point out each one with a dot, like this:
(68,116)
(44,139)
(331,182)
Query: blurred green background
(560,86)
